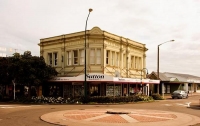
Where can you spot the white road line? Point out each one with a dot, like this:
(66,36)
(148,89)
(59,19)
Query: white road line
(12,106)
(97,117)
(6,107)
(187,104)
(167,104)
(128,118)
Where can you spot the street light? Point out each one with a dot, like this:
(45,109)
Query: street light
(158,60)
(85,81)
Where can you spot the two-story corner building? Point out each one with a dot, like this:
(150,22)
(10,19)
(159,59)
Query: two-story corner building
(107,56)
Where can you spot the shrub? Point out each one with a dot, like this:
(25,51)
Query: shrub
(143,98)
(157,96)
(111,99)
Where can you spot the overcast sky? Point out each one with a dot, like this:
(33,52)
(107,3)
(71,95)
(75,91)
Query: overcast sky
(24,22)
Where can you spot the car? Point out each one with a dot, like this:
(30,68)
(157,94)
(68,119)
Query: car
(179,94)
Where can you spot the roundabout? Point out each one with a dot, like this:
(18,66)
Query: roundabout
(118,117)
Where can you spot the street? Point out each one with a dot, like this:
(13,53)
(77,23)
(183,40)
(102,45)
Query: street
(29,115)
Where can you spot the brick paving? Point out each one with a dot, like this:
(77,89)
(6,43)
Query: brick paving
(111,119)
(140,116)
(99,117)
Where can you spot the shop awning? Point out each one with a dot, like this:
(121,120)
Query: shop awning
(98,77)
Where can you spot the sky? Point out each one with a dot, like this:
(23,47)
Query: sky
(152,22)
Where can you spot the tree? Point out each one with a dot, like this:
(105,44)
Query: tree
(26,69)
(4,78)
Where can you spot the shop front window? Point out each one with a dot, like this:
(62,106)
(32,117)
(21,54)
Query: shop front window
(94,90)
(55,91)
(78,90)
(113,90)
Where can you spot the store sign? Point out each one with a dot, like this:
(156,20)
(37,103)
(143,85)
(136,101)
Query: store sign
(121,79)
(95,77)
(63,79)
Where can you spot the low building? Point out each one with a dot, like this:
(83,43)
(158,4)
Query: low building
(107,55)
(170,82)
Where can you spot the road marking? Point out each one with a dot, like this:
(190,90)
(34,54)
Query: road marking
(97,117)
(128,118)
(187,104)
(16,106)
(6,107)
(167,104)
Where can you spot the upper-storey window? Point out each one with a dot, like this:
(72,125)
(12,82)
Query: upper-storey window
(49,59)
(132,62)
(75,56)
(92,56)
(69,58)
(55,59)
(136,62)
(113,58)
(52,59)
(82,56)
(98,56)
(107,57)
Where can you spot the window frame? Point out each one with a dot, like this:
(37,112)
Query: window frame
(92,56)
(69,58)
(82,57)
(75,58)
(50,59)
(108,57)
(55,59)
(98,56)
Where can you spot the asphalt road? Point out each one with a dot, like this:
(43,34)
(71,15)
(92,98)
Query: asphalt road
(29,115)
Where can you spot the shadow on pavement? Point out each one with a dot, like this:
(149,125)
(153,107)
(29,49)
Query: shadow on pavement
(196,107)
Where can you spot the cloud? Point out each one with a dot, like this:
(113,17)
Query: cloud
(151,22)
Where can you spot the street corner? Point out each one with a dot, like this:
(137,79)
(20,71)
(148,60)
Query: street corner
(119,117)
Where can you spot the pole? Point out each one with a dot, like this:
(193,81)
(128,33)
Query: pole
(85,80)
(158,68)
(158,63)
(13,89)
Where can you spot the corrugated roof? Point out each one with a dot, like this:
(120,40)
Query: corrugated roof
(182,77)
(163,77)
(168,76)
